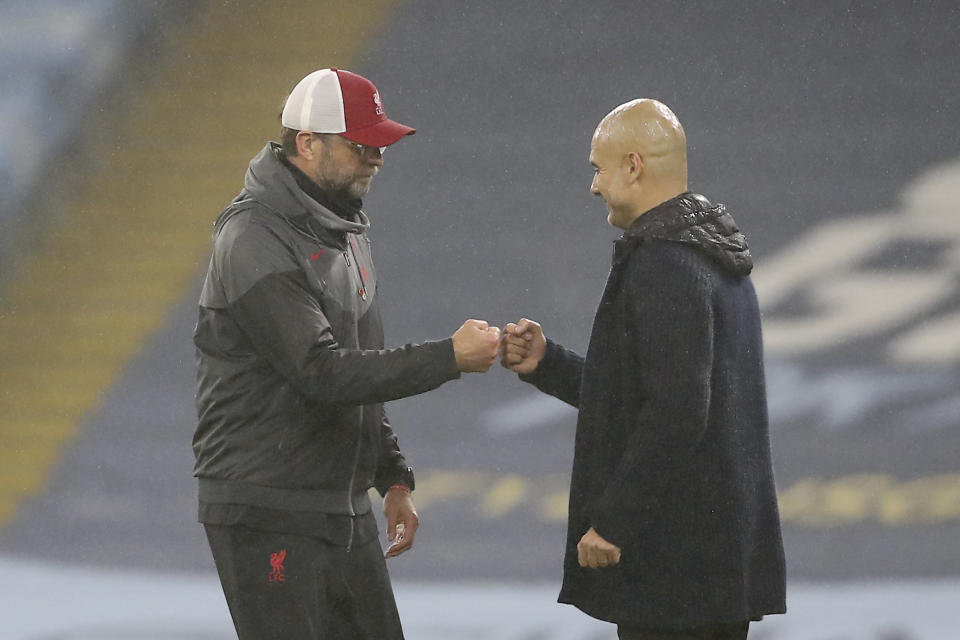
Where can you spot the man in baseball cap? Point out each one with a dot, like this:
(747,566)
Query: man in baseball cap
(292,375)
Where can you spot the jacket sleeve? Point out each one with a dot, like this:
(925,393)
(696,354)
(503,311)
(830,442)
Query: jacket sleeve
(558,374)
(268,297)
(670,360)
(392,466)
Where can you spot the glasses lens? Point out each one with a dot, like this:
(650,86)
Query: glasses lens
(369,152)
(363,150)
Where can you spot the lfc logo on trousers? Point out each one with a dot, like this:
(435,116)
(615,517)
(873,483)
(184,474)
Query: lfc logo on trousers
(276,566)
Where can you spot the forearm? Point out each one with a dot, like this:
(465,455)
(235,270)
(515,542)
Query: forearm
(392,467)
(357,377)
(286,326)
(655,459)
(558,374)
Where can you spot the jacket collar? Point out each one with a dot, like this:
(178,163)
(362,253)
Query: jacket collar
(269,181)
(691,219)
(341,204)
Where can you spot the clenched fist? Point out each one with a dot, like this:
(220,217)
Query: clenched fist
(523,346)
(595,552)
(475,344)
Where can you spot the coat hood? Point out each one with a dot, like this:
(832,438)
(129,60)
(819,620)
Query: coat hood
(692,220)
(269,182)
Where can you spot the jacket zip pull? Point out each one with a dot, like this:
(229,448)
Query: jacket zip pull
(362,289)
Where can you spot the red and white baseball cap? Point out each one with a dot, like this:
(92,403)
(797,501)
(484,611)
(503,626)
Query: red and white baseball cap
(338,101)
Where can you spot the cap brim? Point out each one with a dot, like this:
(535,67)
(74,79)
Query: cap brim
(382,134)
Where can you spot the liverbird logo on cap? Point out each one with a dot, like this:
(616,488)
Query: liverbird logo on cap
(376,101)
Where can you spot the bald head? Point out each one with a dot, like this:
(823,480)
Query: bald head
(643,141)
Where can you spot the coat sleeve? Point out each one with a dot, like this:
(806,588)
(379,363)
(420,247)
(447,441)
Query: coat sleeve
(558,374)
(668,368)
(392,466)
(268,297)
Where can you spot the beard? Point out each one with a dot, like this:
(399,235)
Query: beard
(346,182)
(352,185)
(360,187)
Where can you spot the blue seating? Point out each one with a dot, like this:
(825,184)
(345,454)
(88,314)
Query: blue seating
(56,58)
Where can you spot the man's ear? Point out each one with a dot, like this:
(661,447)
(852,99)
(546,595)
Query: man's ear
(634,164)
(307,144)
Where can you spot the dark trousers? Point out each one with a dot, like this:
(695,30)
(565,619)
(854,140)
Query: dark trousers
(726,631)
(282,586)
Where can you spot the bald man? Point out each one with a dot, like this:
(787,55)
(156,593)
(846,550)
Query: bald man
(673,528)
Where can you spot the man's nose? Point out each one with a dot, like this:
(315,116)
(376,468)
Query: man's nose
(593,187)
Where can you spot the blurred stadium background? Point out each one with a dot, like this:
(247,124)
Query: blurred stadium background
(828,128)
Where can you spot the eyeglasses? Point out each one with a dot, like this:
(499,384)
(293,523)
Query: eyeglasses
(363,150)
